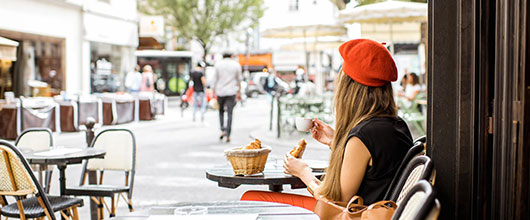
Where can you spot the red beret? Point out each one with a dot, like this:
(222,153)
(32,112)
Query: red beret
(368,62)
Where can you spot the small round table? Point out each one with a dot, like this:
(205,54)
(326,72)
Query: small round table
(62,159)
(272,175)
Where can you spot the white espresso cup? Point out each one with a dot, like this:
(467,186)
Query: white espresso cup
(303,124)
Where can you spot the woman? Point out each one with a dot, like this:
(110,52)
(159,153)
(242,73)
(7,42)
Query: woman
(369,141)
(413,87)
(148,79)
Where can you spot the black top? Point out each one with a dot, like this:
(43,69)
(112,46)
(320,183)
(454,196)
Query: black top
(388,140)
(197,82)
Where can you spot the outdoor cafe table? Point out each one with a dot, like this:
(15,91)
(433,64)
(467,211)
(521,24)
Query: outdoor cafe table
(226,210)
(272,175)
(62,157)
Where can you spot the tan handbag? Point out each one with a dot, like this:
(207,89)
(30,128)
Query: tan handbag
(354,209)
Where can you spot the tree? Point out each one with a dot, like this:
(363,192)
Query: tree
(367,2)
(205,20)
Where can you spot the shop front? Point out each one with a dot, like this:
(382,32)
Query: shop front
(111,43)
(48,37)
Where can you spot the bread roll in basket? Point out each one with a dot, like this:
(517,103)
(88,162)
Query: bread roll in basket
(248,161)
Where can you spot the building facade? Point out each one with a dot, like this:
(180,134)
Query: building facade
(62,42)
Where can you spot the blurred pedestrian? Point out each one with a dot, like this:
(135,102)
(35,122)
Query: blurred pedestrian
(227,87)
(300,78)
(307,89)
(148,79)
(199,84)
(133,80)
(271,85)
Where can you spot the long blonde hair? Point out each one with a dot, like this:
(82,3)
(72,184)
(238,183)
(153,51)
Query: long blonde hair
(354,103)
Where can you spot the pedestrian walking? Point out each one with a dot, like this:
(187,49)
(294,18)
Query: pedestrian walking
(227,87)
(133,80)
(148,79)
(199,95)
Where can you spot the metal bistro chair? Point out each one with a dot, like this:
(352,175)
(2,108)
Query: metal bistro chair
(120,146)
(419,204)
(422,139)
(17,180)
(415,150)
(38,139)
(419,168)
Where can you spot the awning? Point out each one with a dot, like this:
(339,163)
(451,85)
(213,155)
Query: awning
(110,30)
(256,60)
(8,49)
(306,31)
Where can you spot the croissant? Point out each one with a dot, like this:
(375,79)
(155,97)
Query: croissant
(256,144)
(299,149)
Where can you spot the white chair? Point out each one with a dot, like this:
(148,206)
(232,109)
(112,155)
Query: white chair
(419,204)
(37,139)
(120,147)
(419,168)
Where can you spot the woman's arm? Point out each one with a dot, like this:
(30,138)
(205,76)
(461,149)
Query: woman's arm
(298,168)
(322,132)
(203,80)
(356,159)
(413,96)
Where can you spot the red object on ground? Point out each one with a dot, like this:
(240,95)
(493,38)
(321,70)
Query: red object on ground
(188,95)
(305,202)
(368,62)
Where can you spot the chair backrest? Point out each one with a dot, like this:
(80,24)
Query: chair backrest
(417,204)
(435,211)
(415,150)
(421,139)
(120,148)
(36,139)
(16,177)
(419,168)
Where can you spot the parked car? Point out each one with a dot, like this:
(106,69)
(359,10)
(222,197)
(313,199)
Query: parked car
(257,81)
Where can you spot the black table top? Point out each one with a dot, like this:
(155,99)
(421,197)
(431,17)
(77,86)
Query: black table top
(49,157)
(272,175)
(264,210)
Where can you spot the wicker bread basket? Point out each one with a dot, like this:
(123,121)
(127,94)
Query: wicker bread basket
(247,162)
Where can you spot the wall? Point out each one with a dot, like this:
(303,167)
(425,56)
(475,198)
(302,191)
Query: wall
(49,18)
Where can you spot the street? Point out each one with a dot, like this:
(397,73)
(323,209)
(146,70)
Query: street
(173,153)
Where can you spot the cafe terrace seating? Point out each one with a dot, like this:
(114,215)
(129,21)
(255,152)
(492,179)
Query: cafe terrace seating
(17,180)
(420,203)
(68,112)
(118,108)
(37,139)
(419,168)
(39,112)
(150,104)
(120,147)
(75,109)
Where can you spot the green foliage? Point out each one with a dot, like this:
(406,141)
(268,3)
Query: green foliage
(204,20)
(367,2)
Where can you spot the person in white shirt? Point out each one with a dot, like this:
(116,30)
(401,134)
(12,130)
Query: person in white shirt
(133,80)
(227,87)
(412,89)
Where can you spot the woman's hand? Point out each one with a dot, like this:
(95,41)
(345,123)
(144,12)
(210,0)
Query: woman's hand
(322,132)
(297,167)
